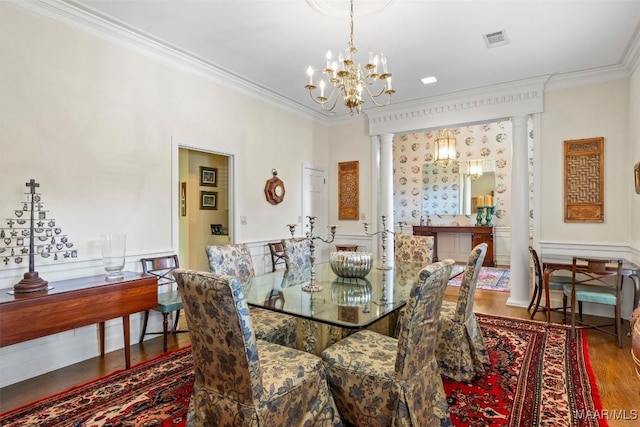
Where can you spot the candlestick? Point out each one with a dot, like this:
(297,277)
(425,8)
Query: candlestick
(383,233)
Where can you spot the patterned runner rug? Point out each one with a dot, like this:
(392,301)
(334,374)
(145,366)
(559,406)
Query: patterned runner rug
(491,278)
(538,376)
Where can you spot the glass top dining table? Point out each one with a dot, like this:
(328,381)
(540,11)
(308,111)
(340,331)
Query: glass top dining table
(344,302)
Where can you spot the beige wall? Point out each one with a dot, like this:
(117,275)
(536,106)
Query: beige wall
(588,111)
(350,142)
(634,157)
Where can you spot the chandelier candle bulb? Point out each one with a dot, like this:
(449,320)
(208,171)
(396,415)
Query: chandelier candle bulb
(310,74)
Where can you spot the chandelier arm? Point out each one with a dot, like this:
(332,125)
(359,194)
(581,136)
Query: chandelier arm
(335,102)
(373,97)
(371,94)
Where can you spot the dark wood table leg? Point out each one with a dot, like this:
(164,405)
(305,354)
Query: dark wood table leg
(127,340)
(101,332)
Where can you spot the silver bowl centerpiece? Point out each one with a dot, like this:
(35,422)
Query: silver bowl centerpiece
(351,264)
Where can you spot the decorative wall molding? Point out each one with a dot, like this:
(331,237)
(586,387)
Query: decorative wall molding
(467,107)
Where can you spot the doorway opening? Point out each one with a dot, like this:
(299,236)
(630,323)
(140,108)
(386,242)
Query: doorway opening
(203,212)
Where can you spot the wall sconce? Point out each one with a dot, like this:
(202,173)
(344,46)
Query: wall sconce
(636,176)
(445,147)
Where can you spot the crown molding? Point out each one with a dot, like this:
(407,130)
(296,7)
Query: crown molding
(84,19)
(472,106)
(632,54)
(587,77)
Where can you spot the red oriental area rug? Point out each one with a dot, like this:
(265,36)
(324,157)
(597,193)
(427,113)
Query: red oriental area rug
(490,278)
(538,376)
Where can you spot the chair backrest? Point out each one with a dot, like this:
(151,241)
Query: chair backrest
(414,249)
(232,260)
(537,268)
(277,255)
(418,330)
(464,306)
(596,272)
(162,267)
(297,254)
(221,333)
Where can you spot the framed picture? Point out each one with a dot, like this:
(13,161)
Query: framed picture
(208,176)
(216,229)
(208,200)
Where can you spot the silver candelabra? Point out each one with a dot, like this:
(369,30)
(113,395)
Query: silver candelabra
(383,233)
(312,286)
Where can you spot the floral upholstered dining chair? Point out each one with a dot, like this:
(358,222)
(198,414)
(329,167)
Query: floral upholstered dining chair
(239,379)
(235,260)
(460,350)
(297,254)
(414,249)
(378,380)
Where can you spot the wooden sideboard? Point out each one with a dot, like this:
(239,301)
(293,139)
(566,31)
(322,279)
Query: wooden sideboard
(480,234)
(70,304)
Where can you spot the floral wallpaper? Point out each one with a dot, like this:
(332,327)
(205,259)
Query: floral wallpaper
(418,191)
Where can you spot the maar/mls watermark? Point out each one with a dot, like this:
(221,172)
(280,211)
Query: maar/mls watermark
(607,414)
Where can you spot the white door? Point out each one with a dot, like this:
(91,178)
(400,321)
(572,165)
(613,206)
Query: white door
(314,203)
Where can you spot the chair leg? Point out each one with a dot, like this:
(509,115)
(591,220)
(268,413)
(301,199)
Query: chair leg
(143,331)
(580,310)
(564,309)
(175,323)
(619,325)
(165,330)
(534,305)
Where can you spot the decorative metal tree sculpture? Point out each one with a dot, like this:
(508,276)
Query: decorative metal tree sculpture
(383,233)
(50,240)
(312,286)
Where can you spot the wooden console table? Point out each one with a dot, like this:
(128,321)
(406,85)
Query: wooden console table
(481,234)
(75,303)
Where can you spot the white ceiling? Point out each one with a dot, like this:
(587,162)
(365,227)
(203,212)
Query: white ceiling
(272,42)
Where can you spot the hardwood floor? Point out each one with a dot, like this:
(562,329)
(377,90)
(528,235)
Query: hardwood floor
(613,367)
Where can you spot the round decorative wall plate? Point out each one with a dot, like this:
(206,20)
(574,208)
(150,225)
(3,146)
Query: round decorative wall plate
(274,189)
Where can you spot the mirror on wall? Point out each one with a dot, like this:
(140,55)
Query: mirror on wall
(452,189)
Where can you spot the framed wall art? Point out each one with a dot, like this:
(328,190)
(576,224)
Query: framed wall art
(208,176)
(348,190)
(584,180)
(209,200)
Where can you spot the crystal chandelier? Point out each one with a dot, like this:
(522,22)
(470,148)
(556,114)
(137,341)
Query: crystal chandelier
(350,81)
(445,147)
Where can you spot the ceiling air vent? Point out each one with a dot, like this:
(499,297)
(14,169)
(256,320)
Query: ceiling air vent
(498,38)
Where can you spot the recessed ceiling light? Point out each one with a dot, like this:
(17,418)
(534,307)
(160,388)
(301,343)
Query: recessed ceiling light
(428,80)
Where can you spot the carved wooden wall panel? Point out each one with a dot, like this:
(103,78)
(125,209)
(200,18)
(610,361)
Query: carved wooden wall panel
(584,180)
(348,190)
